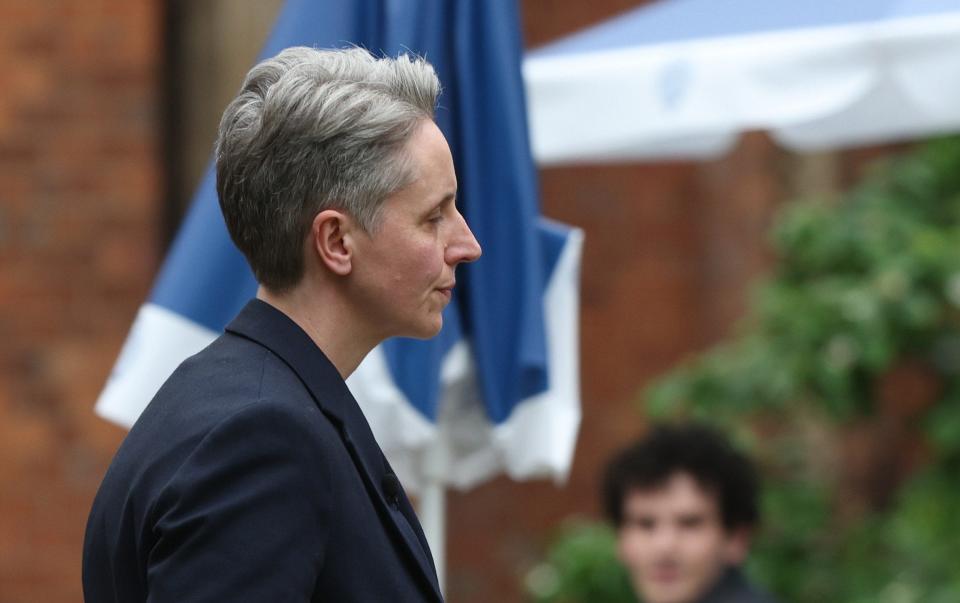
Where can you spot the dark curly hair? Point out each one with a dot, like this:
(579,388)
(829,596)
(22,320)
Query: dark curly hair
(694,448)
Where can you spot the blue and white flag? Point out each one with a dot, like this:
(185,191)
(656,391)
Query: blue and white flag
(498,389)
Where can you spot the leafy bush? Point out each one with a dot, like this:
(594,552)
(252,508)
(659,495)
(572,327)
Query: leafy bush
(582,566)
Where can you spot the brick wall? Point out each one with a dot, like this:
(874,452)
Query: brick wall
(79,193)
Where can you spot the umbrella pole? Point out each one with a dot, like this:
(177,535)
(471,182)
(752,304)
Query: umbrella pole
(433,514)
(433,507)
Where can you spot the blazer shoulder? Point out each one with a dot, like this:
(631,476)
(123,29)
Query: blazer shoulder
(250,498)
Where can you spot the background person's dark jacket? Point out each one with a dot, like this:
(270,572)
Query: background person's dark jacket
(733,587)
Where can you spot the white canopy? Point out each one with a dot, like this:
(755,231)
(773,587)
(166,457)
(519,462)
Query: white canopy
(683,78)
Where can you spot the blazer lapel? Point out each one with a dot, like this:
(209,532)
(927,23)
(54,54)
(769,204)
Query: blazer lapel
(271,328)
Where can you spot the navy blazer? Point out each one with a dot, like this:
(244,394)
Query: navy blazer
(253,476)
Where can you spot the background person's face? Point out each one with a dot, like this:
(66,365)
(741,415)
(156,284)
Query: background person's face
(673,541)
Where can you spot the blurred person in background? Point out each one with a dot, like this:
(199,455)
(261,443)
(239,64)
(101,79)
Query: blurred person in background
(684,505)
(253,475)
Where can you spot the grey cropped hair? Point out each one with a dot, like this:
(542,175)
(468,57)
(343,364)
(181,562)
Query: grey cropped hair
(312,130)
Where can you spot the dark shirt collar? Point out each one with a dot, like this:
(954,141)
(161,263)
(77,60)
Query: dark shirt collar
(733,587)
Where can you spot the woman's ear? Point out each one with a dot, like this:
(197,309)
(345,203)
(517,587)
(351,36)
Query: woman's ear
(331,238)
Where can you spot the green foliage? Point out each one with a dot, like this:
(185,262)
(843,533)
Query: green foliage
(859,284)
(582,568)
(863,285)
(942,424)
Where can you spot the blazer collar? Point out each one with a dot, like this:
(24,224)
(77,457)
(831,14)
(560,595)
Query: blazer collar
(263,324)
